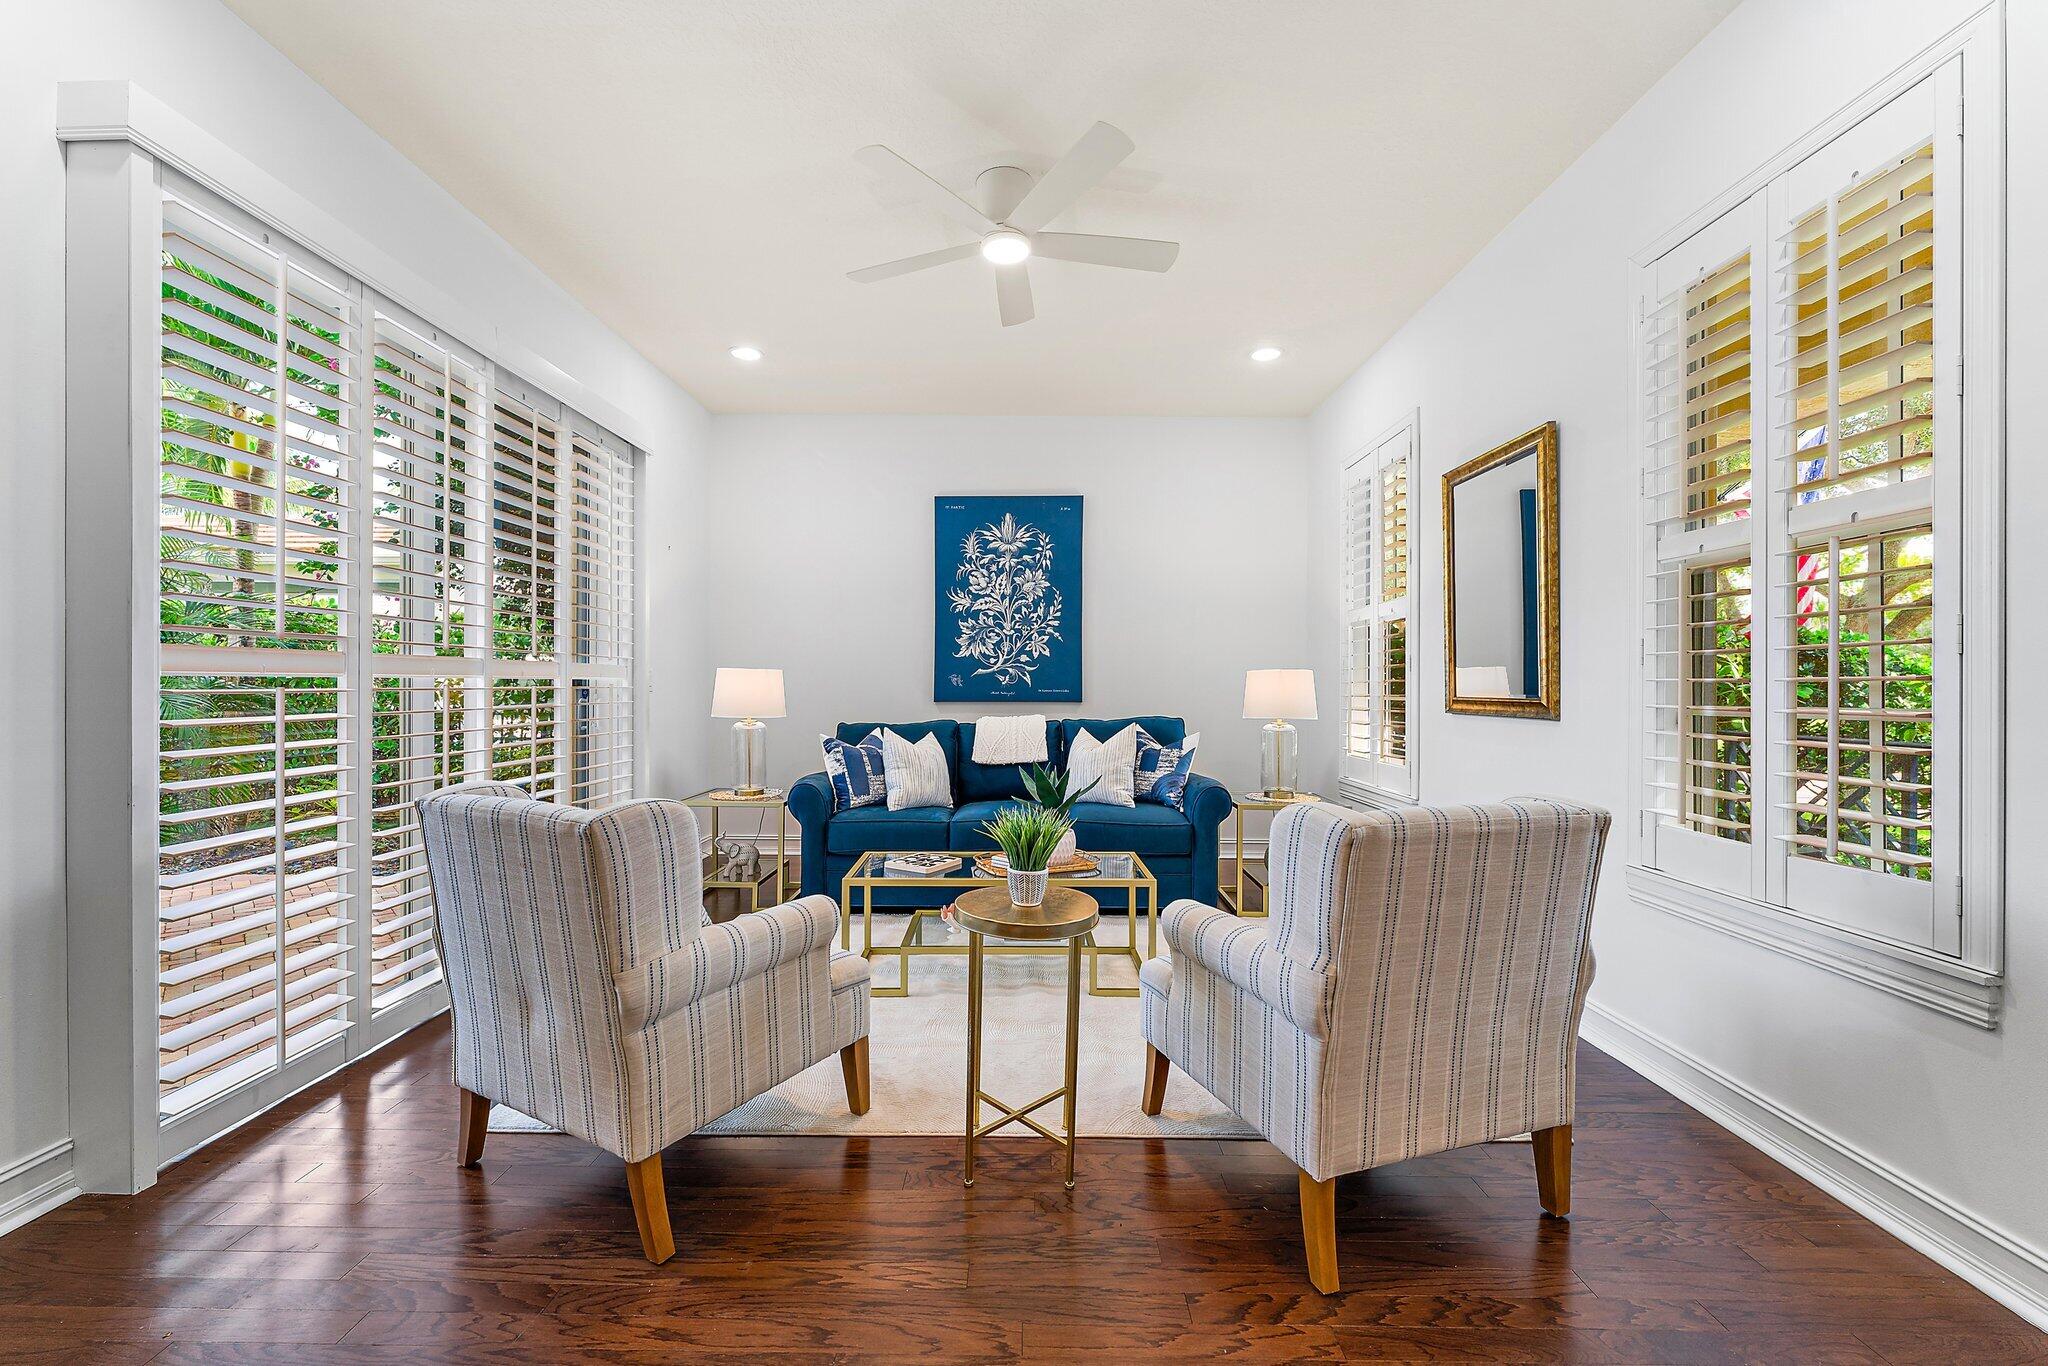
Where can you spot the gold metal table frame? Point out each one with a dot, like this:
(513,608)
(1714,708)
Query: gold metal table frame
(1232,893)
(718,800)
(1068,916)
(865,877)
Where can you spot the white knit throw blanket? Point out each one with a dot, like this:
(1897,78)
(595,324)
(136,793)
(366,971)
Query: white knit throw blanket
(1009,740)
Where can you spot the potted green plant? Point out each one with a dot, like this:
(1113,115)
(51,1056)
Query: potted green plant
(1052,791)
(1027,835)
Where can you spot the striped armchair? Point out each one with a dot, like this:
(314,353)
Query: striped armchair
(1416,987)
(590,992)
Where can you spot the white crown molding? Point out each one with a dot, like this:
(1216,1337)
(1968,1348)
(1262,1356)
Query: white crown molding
(33,1185)
(1989,1258)
(120,111)
(1969,994)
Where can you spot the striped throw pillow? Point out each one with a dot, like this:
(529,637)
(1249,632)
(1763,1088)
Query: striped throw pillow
(917,773)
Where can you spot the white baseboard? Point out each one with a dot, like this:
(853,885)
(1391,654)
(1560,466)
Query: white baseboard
(1986,1256)
(32,1186)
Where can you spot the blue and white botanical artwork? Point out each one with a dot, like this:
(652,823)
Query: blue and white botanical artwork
(1007,609)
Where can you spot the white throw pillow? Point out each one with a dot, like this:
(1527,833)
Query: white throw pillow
(916,774)
(1114,761)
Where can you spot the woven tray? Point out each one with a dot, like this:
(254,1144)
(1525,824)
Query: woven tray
(1079,863)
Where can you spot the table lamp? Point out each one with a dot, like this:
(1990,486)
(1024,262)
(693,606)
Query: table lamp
(748,694)
(1283,695)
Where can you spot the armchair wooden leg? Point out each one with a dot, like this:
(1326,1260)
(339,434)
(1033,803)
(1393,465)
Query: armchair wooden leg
(1155,1081)
(1319,1229)
(650,1208)
(472,1126)
(1553,1148)
(853,1061)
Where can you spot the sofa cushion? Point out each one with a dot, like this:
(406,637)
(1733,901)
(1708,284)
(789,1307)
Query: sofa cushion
(877,827)
(968,818)
(1143,829)
(993,782)
(1167,730)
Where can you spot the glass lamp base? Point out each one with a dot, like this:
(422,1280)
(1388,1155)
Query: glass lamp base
(1280,759)
(749,757)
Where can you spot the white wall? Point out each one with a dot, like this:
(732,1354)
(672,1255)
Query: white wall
(180,50)
(1536,328)
(821,547)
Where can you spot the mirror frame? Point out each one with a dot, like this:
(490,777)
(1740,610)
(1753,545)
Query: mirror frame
(1545,706)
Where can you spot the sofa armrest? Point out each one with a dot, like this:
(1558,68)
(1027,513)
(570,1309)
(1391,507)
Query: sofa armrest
(1240,953)
(1207,803)
(810,801)
(721,956)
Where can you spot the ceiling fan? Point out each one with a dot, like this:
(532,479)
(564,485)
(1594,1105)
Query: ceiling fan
(1012,213)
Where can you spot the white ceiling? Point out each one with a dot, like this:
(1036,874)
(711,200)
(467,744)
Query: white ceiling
(685,168)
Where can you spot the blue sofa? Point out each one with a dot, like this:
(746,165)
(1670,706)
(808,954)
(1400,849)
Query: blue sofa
(1179,847)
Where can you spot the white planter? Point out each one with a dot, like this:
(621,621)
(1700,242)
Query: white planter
(1027,889)
(1064,850)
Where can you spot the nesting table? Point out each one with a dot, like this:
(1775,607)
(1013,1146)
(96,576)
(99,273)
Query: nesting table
(1067,916)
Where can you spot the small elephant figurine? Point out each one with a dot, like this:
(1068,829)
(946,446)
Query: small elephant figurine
(738,862)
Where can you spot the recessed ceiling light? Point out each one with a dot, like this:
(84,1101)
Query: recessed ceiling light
(1006,246)
(1265,355)
(746,353)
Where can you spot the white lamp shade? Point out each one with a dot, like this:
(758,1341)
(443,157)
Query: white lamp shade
(1281,694)
(748,692)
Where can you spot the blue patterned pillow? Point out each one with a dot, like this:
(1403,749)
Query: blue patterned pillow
(1164,770)
(856,771)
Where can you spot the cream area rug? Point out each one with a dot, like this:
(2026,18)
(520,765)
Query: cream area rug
(917,1056)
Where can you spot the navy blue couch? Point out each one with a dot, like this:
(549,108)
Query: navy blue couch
(1180,848)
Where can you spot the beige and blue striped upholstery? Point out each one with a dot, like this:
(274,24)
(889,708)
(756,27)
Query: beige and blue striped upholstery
(1416,987)
(589,990)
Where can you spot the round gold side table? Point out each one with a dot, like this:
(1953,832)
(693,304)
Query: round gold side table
(1066,914)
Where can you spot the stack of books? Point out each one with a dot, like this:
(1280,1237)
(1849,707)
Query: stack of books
(919,865)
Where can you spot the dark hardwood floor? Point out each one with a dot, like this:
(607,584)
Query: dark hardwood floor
(338,1228)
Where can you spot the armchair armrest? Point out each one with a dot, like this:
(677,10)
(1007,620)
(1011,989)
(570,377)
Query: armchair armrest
(810,801)
(1240,953)
(722,956)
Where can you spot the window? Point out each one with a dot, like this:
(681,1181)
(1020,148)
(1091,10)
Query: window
(1804,494)
(385,566)
(1377,735)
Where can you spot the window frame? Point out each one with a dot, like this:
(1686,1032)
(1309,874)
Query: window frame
(124,150)
(1370,778)
(1962,977)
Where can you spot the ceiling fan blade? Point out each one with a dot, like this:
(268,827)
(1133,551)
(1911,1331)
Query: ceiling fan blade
(929,192)
(1013,294)
(888,270)
(1090,159)
(1129,253)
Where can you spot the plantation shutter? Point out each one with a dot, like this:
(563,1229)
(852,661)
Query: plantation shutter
(602,758)
(1375,575)
(1866,240)
(257,818)
(1700,373)
(1359,535)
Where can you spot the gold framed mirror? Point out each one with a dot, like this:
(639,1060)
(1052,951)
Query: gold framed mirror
(1500,580)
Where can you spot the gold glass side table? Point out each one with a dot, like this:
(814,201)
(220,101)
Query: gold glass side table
(722,799)
(1066,915)
(1232,893)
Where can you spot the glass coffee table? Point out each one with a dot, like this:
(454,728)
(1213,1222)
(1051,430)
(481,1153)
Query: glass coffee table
(926,932)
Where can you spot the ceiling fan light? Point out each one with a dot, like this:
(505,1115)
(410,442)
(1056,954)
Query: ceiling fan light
(1266,355)
(745,353)
(1005,247)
